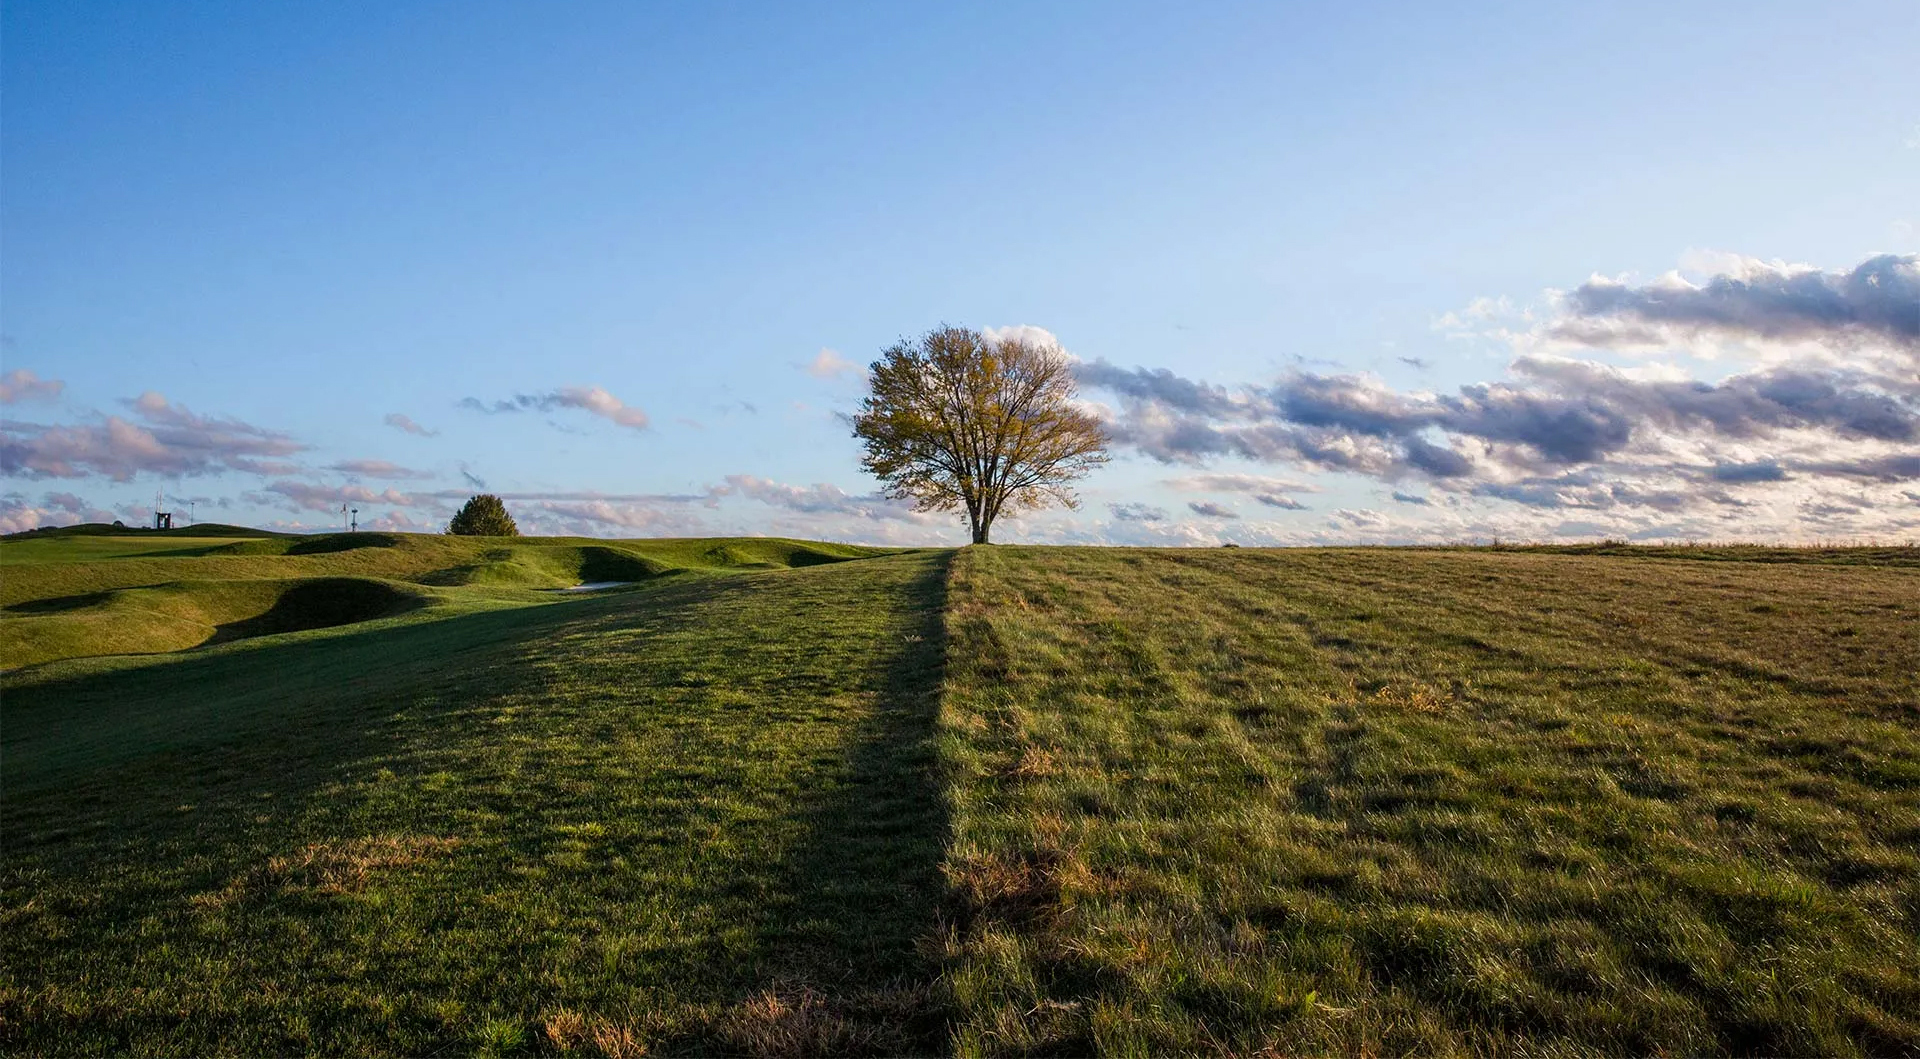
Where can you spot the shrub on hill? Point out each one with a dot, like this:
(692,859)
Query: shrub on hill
(483,516)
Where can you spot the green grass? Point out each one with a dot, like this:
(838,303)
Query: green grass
(674,815)
(1422,802)
(68,596)
(997,801)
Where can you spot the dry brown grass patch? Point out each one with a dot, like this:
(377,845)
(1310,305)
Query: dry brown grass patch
(1413,696)
(330,867)
(800,1020)
(568,1030)
(1035,763)
(617,1041)
(1022,889)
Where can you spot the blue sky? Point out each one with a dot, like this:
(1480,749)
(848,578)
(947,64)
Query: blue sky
(240,239)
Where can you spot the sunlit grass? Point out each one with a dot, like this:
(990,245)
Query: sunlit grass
(1390,802)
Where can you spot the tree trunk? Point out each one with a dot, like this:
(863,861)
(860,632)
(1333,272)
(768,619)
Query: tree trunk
(980,528)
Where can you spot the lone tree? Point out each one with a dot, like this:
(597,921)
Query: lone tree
(958,419)
(483,516)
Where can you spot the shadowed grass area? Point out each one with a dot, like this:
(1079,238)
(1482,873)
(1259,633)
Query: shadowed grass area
(1391,802)
(697,816)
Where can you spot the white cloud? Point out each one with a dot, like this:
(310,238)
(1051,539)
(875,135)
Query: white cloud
(828,364)
(1038,336)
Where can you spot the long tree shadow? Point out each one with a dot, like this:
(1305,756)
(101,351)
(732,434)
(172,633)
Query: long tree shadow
(613,831)
(847,961)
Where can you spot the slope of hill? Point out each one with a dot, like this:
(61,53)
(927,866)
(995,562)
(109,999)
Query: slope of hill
(647,816)
(999,801)
(125,592)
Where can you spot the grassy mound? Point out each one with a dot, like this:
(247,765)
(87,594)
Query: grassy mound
(184,614)
(323,604)
(553,566)
(139,592)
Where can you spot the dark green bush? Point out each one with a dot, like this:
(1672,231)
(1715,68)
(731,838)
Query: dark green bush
(483,516)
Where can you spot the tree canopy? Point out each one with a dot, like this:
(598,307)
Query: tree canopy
(958,419)
(483,516)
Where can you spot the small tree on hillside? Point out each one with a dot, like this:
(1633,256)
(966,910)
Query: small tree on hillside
(959,420)
(483,516)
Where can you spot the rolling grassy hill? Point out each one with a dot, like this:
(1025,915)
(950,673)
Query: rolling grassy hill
(72,595)
(783,798)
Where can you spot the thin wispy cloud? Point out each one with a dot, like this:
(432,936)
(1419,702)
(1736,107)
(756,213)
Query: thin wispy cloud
(590,399)
(378,469)
(23,385)
(405,423)
(309,496)
(817,499)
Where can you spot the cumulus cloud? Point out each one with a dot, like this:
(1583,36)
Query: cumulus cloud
(591,399)
(828,364)
(377,469)
(1209,509)
(1028,333)
(23,385)
(19,514)
(1565,432)
(405,423)
(169,440)
(1750,299)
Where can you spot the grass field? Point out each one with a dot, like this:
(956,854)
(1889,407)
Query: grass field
(780,798)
